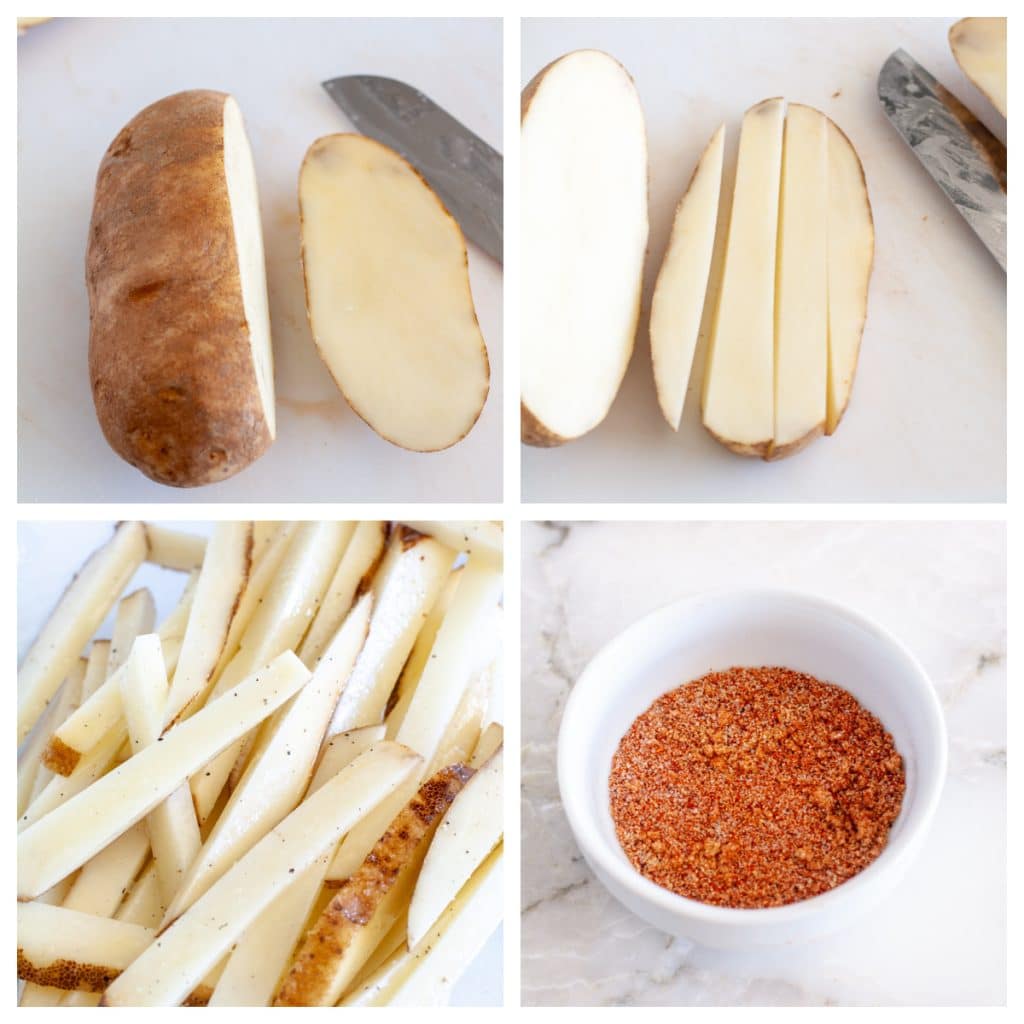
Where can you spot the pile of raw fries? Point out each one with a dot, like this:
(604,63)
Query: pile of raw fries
(288,793)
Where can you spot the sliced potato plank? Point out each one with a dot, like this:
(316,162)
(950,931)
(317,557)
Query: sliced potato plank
(801,284)
(388,295)
(167,972)
(77,830)
(81,609)
(738,407)
(366,907)
(69,950)
(678,301)
(979,46)
(584,225)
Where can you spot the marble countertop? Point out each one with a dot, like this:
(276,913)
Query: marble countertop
(941,588)
(927,419)
(79,81)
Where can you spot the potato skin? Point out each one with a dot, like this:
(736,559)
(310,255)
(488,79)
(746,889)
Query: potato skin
(170,362)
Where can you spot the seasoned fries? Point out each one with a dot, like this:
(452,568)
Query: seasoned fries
(287,791)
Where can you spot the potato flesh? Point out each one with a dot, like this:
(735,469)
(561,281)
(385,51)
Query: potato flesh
(738,396)
(243,195)
(851,249)
(388,294)
(801,281)
(678,301)
(979,45)
(584,235)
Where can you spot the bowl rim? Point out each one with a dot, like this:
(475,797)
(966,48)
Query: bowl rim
(888,864)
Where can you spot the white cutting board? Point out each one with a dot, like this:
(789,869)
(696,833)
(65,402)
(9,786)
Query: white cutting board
(50,553)
(927,420)
(79,82)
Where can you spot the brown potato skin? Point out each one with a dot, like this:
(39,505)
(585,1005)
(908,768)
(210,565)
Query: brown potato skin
(170,363)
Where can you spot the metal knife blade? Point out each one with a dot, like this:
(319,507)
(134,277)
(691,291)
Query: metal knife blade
(464,171)
(966,160)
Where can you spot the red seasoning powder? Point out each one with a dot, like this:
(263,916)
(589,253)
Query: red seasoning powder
(755,787)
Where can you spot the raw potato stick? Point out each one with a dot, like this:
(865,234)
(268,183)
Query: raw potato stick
(583,237)
(135,615)
(470,829)
(679,293)
(166,972)
(97,669)
(801,284)
(738,407)
(388,296)
(179,343)
(482,539)
(70,950)
(81,609)
(174,549)
(222,579)
(171,826)
(353,574)
(366,907)
(72,833)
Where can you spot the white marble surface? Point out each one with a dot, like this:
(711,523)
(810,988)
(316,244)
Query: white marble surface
(941,588)
(48,555)
(927,420)
(79,81)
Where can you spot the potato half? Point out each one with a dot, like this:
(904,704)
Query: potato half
(584,237)
(388,296)
(179,345)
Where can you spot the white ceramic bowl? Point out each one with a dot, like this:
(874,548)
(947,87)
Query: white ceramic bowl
(716,631)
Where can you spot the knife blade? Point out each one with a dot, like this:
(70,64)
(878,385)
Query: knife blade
(464,171)
(963,157)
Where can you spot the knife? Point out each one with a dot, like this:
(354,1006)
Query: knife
(464,171)
(966,160)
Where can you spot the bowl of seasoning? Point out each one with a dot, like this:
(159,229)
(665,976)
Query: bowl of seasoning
(751,768)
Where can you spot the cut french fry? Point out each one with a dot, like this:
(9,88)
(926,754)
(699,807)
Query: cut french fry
(101,884)
(72,833)
(339,750)
(401,697)
(434,703)
(175,549)
(171,826)
(263,535)
(412,585)
(143,904)
(279,625)
(478,538)
(97,718)
(463,732)
(489,743)
(69,950)
(367,906)
(356,566)
(97,668)
(41,995)
(136,615)
(425,975)
(391,944)
(60,789)
(173,627)
(167,972)
(78,614)
(280,770)
(218,592)
(470,829)
(30,766)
